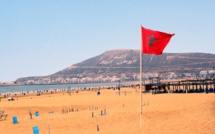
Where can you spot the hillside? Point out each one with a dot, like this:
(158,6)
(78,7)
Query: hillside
(116,62)
(127,61)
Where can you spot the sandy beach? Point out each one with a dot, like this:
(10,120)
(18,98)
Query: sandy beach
(162,113)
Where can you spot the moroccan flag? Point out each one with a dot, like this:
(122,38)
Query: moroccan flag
(154,42)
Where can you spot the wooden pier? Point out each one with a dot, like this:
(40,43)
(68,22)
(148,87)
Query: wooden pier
(181,86)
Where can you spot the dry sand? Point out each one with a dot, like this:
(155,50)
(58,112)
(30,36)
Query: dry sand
(162,113)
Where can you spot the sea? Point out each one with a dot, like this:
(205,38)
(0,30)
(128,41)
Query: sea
(33,88)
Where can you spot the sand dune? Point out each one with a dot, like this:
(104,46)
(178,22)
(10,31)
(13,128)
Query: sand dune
(162,113)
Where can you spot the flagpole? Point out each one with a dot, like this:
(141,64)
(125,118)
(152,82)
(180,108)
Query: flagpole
(141,76)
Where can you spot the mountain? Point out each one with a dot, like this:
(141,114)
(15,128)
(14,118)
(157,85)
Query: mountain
(117,62)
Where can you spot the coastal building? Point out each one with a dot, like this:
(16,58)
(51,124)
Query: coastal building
(203,73)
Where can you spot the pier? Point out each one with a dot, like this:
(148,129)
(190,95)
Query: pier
(181,86)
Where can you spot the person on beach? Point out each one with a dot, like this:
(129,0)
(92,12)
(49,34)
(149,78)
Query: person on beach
(10,99)
(98,92)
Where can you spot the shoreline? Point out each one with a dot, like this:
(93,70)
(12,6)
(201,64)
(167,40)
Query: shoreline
(63,83)
(25,88)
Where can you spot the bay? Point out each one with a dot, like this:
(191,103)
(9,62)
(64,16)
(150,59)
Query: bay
(31,88)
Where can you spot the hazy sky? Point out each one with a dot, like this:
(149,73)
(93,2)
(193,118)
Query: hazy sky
(41,37)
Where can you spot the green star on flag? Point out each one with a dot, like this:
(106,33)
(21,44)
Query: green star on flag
(151,40)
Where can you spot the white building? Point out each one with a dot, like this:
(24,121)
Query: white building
(211,72)
(203,73)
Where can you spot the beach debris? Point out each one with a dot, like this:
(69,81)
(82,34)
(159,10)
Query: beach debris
(98,92)
(36,130)
(97,127)
(48,129)
(15,120)
(63,111)
(146,103)
(93,108)
(37,113)
(51,112)
(30,113)
(123,104)
(105,111)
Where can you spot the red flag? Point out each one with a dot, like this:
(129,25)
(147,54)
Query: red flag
(154,42)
